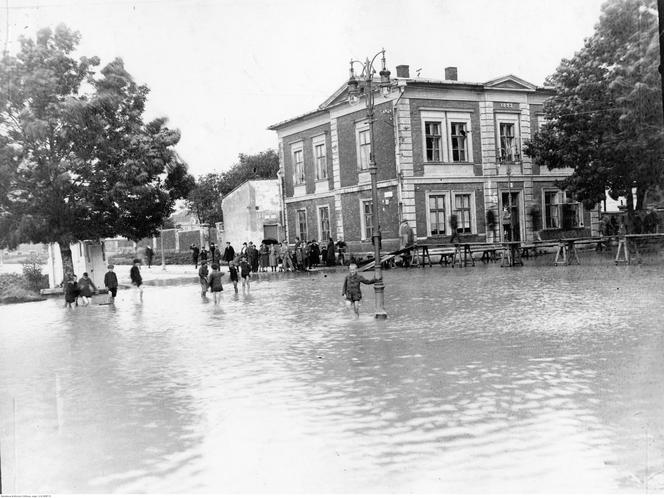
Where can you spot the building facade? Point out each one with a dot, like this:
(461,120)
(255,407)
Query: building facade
(442,148)
(252,213)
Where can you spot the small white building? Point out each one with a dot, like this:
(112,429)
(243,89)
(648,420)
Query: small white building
(252,212)
(87,256)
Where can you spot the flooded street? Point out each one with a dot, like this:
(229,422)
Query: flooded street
(486,379)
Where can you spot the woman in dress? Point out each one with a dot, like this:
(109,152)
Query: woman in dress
(274,254)
(265,257)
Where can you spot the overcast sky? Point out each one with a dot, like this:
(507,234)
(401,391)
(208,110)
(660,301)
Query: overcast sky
(222,71)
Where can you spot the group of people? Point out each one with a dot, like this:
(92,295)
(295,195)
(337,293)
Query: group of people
(274,256)
(638,223)
(84,288)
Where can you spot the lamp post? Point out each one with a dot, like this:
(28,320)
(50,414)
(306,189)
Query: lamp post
(354,92)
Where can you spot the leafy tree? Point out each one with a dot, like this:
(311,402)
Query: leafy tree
(204,199)
(605,119)
(78,161)
(261,166)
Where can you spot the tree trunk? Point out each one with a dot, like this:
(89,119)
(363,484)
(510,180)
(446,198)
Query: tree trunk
(67,261)
(629,198)
(640,196)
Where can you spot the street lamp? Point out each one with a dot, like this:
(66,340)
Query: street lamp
(354,92)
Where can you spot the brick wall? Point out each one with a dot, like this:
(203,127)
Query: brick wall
(308,155)
(388,214)
(383,144)
(421,192)
(311,207)
(417,131)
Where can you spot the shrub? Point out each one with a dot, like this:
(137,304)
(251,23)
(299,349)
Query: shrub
(13,289)
(32,273)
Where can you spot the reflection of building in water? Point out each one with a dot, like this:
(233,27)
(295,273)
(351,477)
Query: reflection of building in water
(442,147)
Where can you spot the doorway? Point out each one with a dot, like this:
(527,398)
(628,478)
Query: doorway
(511,216)
(271,232)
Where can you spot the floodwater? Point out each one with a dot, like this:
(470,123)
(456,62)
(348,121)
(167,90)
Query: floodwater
(484,380)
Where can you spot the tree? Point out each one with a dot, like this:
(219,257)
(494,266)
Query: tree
(605,119)
(78,159)
(261,166)
(204,199)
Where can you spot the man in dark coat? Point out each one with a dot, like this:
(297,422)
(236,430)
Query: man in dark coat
(149,254)
(213,252)
(330,257)
(229,253)
(252,257)
(195,251)
(454,225)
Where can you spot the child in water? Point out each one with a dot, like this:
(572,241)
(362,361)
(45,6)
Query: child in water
(215,282)
(351,290)
(71,290)
(245,271)
(232,269)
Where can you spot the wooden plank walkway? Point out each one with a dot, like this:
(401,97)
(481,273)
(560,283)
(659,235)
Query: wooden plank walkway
(512,253)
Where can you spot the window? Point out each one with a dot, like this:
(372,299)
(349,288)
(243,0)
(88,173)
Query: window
(462,208)
(507,142)
(458,142)
(437,217)
(367,218)
(302,224)
(551,210)
(324,223)
(363,148)
(298,167)
(446,136)
(562,211)
(320,158)
(433,141)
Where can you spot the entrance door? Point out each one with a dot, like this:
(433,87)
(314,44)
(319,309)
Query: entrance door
(511,223)
(271,232)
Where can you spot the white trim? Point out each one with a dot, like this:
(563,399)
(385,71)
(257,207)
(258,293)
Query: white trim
(297,223)
(445,109)
(317,141)
(446,207)
(509,118)
(329,220)
(445,118)
(460,118)
(358,188)
(363,225)
(562,199)
(473,207)
(363,177)
(429,117)
(322,186)
(294,148)
(306,124)
(360,128)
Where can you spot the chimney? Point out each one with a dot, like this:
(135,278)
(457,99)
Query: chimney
(403,72)
(451,73)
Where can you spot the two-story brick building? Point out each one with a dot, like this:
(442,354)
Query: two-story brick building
(442,147)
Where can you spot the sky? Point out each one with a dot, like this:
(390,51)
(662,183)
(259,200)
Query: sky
(222,71)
